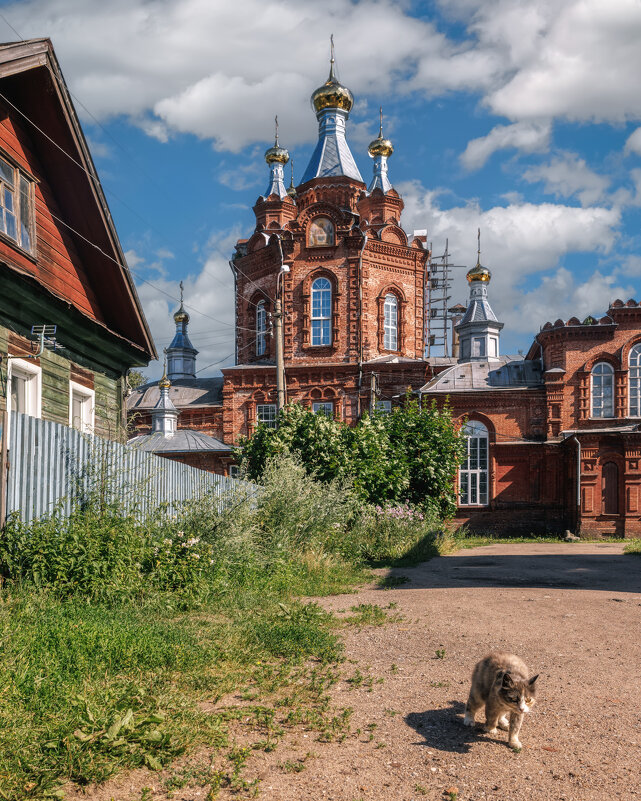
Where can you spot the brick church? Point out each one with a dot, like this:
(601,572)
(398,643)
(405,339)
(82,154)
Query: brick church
(554,438)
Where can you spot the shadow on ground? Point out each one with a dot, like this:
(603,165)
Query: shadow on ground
(443,729)
(611,572)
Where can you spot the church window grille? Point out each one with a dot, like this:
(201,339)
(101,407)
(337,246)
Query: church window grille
(602,385)
(16,206)
(634,378)
(321,312)
(473,473)
(390,314)
(261,329)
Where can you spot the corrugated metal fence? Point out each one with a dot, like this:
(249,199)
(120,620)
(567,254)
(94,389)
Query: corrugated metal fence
(52,465)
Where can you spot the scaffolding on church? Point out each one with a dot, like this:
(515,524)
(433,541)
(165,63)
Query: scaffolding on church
(440,317)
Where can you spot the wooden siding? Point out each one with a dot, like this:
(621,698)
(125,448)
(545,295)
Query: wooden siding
(108,415)
(55,387)
(58,267)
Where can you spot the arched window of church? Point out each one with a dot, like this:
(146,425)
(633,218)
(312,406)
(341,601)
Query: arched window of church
(634,381)
(321,312)
(390,322)
(261,328)
(321,232)
(473,473)
(602,386)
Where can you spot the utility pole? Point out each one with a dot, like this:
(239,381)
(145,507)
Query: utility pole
(373,392)
(280,357)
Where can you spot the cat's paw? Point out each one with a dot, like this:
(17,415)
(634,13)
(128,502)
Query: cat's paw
(515,744)
(504,723)
(468,721)
(491,731)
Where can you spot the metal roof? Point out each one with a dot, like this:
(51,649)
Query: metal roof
(331,155)
(184,393)
(183,441)
(508,372)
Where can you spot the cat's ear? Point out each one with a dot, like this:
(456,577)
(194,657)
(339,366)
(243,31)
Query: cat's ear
(508,681)
(532,681)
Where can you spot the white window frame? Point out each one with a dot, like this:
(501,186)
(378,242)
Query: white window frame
(321,316)
(474,474)
(33,374)
(599,406)
(88,407)
(323,407)
(261,328)
(20,188)
(634,381)
(271,415)
(390,322)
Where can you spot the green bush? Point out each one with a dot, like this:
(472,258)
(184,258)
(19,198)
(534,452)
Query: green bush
(386,534)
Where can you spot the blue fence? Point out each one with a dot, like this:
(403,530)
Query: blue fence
(53,465)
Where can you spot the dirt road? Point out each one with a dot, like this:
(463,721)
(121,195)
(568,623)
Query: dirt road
(572,612)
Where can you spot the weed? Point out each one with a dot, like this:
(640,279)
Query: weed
(391,713)
(440,653)
(418,788)
(633,547)
(436,684)
(451,793)
(394,668)
(366,615)
(381,744)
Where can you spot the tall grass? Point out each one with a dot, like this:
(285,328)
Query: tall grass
(112,629)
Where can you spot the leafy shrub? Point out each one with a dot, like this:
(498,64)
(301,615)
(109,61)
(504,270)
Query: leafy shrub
(389,533)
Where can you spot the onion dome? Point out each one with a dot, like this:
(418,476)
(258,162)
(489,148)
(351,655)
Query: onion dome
(276,154)
(332,94)
(181,315)
(164,382)
(380,146)
(478,272)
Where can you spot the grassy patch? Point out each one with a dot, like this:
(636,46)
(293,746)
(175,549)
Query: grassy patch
(633,547)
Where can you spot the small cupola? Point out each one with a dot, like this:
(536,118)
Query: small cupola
(164,415)
(181,354)
(479,330)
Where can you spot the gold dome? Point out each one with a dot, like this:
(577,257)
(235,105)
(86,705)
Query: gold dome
(332,94)
(164,383)
(479,273)
(380,146)
(181,315)
(276,154)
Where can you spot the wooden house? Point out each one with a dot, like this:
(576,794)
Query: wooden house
(61,263)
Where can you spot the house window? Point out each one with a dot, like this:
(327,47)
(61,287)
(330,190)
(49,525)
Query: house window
(321,232)
(390,322)
(234,471)
(266,414)
(24,387)
(16,205)
(478,346)
(323,407)
(82,403)
(634,378)
(261,329)
(602,381)
(384,406)
(473,473)
(321,312)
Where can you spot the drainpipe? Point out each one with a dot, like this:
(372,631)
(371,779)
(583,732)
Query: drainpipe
(360,323)
(578,482)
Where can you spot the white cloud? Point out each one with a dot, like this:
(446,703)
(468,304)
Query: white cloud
(522,243)
(529,137)
(633,143)
(567,175)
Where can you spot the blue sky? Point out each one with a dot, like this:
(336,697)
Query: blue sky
(522,117)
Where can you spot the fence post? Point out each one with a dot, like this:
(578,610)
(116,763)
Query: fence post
(4,466)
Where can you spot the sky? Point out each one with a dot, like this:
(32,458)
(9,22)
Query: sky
(521,117)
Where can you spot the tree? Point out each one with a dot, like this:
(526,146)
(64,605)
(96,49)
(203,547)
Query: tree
(412,454)
(136,378)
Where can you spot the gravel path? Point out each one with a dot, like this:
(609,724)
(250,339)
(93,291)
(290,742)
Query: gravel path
(572,612)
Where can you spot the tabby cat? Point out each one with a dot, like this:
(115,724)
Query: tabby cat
(500,682)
